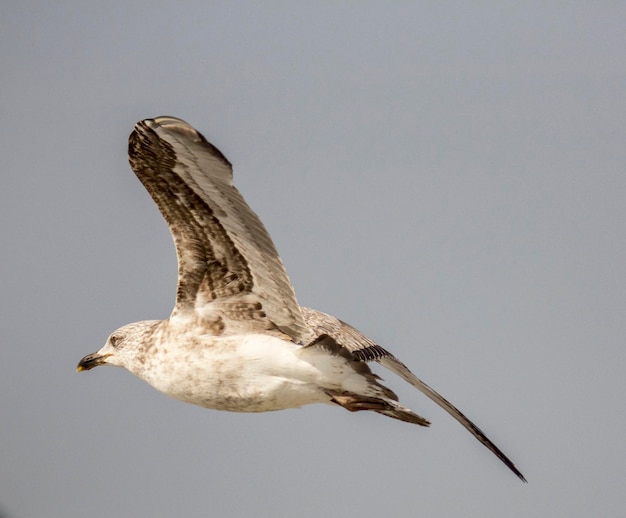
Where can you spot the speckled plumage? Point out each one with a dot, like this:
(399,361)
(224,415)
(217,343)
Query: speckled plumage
(237,340)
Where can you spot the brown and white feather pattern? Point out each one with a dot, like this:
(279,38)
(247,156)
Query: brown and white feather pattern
(217,235)
(237,340)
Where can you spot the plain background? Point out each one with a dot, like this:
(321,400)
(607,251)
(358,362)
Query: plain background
(446,176)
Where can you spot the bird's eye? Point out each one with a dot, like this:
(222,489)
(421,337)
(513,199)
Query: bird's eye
(113,340)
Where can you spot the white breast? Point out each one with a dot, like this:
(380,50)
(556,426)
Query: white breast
(251,373)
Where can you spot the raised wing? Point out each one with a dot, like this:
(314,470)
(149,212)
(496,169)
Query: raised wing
(364,349)
(229,272)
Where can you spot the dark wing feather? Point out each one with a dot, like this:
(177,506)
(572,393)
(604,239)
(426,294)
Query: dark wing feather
(229,271)
(362,348)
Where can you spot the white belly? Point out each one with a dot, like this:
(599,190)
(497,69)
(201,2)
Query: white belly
(252,373)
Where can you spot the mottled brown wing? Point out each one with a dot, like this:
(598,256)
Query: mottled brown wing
(229,271)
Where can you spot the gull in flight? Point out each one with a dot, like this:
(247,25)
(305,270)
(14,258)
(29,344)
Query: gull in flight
(237,339)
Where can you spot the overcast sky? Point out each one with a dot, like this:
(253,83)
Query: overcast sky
(447,177)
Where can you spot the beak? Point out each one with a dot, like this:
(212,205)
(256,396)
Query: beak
(90,361)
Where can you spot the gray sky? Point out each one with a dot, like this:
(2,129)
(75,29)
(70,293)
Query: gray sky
(447,178)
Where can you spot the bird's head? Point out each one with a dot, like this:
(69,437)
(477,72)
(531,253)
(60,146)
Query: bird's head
(121,347)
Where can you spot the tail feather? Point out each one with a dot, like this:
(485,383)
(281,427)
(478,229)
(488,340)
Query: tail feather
(356,402)
(396,366)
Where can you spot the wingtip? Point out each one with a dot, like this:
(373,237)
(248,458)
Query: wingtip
(173,125)
(520,476)
(179,130)
(403,371)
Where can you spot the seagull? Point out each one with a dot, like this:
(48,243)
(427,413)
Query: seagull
(237,339)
